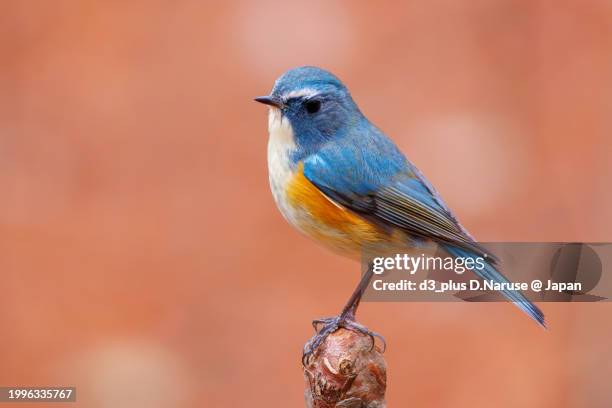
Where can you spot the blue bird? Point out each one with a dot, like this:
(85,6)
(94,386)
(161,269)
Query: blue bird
(340,180)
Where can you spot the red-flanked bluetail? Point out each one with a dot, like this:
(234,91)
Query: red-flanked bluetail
(340,180)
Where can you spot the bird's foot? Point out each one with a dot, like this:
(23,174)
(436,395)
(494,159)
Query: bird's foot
(326,326)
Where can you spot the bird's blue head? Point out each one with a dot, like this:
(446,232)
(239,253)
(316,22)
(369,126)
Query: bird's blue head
(316,104)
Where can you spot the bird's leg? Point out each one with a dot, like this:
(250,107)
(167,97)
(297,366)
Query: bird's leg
(346,319)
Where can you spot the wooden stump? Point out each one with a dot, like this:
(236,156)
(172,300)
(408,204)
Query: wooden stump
(346,372)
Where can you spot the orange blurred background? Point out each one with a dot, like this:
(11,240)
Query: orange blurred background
(141,254)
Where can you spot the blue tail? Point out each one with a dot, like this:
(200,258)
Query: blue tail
(490,273)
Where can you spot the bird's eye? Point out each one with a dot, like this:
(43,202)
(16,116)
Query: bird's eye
(312,106)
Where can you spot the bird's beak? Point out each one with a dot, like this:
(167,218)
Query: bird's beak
(270,100)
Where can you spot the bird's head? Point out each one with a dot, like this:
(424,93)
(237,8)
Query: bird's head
(314,105)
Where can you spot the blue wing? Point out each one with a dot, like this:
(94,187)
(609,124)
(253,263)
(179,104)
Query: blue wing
(371,177)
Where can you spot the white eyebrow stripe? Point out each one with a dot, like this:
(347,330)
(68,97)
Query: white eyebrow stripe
(307,92)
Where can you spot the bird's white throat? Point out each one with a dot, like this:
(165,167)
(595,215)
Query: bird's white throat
(280,129)
(281,144)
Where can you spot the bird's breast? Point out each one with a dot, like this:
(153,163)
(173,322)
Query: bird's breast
(305,207)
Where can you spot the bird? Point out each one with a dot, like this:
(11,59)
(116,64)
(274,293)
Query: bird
(340,180)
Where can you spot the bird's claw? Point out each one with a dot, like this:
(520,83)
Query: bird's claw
(353,325)
(322,321)
(328,326)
